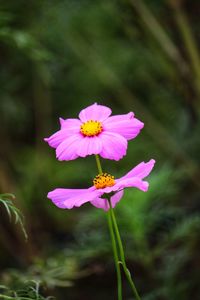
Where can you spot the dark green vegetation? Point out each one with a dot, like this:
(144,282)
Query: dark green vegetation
(56,58)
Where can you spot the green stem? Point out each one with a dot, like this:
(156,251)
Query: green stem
(113,224)
(98,164)
(121,250)
(114,245)
(116,258)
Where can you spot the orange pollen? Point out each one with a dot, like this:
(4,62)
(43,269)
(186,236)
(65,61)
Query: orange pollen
(91,128)
(103,180)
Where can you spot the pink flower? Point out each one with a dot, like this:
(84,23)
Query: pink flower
(95,132)
(104,186)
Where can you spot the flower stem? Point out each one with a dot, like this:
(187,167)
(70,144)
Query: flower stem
(114,245)
(116,258)
(116,236)
(121,250)
(98,164)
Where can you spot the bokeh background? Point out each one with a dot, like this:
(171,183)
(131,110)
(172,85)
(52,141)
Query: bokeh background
(57,57)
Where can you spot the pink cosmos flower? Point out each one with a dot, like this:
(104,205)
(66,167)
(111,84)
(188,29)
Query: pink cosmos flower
(95,132)
(104,186)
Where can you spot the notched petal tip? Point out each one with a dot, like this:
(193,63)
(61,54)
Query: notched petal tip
(145,186)
(61,120)
(150,164)
(120,157)
(51,194)
(141,125)
(138,124)
(152,161)
(131,115)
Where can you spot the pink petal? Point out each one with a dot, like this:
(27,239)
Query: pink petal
(123,183)
(100,203)
(114,145)
(89,146)
(57,138)
(125,125)
(141,171)
(68,128)
(67,150)
(109,189)
(95,112)
(68,198)
(103,203)
(116,198)
(70,124)
(132,182)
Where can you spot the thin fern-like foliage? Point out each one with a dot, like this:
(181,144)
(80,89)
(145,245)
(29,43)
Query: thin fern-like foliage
(29,291)
(13,211)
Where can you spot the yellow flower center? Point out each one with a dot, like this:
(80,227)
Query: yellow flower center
(103,180)
(91,128)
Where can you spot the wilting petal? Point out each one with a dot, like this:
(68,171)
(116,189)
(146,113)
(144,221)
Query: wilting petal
(95,112)
(67,150)
(68,198)
(89,146)
(141,171)
(125,125)
(114,146)
(103,203)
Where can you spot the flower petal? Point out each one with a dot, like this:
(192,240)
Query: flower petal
(132,182)
(125,125)
(67,150)
(103,203)
(116,198)
(68,128)
(57,138)
(123,183)
(68,198)
(89,146)
(71,124)
(141,171)
(114,146)
(95,112)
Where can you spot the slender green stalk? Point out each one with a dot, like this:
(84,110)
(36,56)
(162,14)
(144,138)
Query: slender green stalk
(114,245)
(116,258)
(98,164)
(121,250)
(113,225)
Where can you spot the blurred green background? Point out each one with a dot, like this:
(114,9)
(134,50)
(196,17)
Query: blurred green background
(56,58)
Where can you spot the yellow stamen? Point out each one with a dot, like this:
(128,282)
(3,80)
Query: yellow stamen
(103,180)
(91,128)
